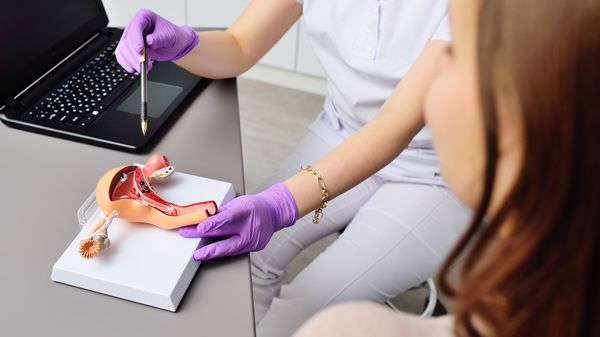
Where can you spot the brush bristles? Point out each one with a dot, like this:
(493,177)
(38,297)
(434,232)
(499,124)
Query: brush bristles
(88,248)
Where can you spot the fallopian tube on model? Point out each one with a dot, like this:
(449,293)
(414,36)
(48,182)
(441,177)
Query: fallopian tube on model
(126,192)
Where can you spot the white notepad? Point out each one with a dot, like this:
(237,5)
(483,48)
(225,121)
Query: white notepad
(144,263)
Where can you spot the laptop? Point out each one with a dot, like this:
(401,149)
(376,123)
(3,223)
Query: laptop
(59,76)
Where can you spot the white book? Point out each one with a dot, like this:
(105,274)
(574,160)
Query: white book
(144,264)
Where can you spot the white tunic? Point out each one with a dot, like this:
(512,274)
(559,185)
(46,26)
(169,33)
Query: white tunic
(365,48)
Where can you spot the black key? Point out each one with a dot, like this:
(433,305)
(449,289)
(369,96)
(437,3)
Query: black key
(116,92)
(41,114)
(83,124)
(73,119)
(89,118)
(62,119)
(34,111)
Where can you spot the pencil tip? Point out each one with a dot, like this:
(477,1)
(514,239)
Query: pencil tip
(144,126)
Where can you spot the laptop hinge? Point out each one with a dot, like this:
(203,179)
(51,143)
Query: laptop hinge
(13,103)
(105,31)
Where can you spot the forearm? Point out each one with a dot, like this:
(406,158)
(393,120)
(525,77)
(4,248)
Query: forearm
(376,144)
(225,54)
(217,55)
(361,155)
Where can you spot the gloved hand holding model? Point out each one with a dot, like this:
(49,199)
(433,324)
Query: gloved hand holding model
(251,219)
(165,41)
(384,187)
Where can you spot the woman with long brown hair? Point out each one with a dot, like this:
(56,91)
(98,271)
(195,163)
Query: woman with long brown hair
(515,115)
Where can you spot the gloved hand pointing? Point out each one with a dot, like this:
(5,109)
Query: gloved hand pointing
(251,219)
(165,41)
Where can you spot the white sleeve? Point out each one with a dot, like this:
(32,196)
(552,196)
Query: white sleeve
(443,30)
(300,2)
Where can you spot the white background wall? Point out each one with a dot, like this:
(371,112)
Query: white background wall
(291,62)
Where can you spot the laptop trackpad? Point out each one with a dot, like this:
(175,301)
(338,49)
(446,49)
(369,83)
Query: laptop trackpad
(160,96)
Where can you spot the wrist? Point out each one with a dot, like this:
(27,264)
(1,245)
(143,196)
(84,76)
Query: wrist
(283,203)
(192,39)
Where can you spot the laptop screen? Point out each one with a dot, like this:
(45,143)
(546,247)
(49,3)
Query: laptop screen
(37,34)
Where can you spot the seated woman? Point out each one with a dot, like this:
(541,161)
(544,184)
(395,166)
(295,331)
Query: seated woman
(517,135)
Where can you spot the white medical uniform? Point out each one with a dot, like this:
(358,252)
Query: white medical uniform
(401,222)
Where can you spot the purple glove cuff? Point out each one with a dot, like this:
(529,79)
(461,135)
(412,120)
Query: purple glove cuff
(193,36)
(283,202)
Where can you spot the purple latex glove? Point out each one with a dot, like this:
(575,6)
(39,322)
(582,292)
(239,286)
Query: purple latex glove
(165,41)
(251,219)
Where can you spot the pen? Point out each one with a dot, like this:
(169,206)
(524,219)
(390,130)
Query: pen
(143,77)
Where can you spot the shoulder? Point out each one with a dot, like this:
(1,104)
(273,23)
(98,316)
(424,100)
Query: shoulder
(371,319)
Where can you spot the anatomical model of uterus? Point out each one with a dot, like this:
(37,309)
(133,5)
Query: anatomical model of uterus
(126,192)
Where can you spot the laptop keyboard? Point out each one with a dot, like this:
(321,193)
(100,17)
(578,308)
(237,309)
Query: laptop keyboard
(83,98)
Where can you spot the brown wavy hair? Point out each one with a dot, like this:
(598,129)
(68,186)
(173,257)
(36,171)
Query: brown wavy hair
(542,277)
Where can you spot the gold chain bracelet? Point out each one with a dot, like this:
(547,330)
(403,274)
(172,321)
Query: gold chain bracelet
(319,211)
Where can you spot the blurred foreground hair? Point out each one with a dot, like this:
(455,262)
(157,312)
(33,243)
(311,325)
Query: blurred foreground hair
(541,276)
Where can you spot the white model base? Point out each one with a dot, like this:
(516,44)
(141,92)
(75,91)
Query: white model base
(144,263)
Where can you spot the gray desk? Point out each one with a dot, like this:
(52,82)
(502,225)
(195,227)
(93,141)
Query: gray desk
(44,180)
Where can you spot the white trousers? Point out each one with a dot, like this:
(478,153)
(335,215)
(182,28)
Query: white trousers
(397,235)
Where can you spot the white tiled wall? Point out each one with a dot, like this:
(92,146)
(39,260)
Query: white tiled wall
(214,13)
(121,11)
